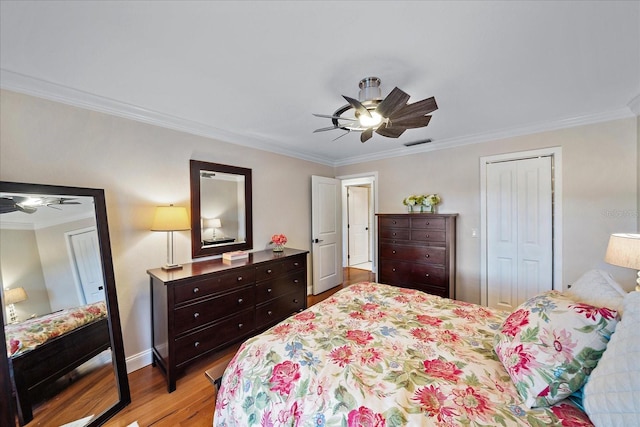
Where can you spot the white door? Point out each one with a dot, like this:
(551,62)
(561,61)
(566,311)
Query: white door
(326,214)
(85,254)
(519,230)
(358,227)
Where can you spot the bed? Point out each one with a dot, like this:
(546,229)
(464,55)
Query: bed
(43,349)
(378,355)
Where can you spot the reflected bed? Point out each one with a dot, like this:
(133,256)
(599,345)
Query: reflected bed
(43,349)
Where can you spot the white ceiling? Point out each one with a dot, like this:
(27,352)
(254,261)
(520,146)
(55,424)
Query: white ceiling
(253,72)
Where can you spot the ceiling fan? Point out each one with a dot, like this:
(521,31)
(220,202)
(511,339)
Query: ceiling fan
(31,204)
(388,117)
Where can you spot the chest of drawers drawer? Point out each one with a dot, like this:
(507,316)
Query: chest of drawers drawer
(205,311)
(280,308)
(405,272)
(422,254)
(204,340)
(275,288)
(203,288)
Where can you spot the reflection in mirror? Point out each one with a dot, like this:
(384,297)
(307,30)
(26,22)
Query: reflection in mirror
(59,299)
(220,208)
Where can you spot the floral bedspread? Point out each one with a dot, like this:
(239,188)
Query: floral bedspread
(377,355)
(25,336)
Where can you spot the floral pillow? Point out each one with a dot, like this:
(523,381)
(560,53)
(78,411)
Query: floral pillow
(550,344)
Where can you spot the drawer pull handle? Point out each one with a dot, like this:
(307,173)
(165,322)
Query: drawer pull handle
(426,256)
(394,234)
(196,344)
(394,269)
(393,251)
(240,325)
(295,301)
(296,281)
(426,275)
(269,312)
(295,264)
(196,315)
(240,300)
(196,290)
(269,290)
(269,271)
(394,222)
(427,236)
(428,223)
(239,278)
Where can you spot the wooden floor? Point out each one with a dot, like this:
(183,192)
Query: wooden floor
(193,401)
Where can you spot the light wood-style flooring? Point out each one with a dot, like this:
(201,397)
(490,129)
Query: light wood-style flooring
(192,403)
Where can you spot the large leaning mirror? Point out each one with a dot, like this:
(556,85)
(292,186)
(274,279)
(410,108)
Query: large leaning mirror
(221,217)
(60,311)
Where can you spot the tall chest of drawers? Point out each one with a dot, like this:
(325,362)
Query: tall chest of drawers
(209,305)
(418,251)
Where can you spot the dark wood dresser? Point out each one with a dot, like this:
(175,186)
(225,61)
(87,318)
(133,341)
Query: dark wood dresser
(209,305)
(418,251)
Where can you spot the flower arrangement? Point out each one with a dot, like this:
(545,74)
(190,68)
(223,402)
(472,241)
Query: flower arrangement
(278,240)
(431,200)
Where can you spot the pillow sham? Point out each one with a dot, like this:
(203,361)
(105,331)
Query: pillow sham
(612,393)
(598,288)
(550,344)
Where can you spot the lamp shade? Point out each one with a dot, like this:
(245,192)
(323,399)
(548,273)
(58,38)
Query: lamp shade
(212,223)
(12,296)
(624,250)
(171,218)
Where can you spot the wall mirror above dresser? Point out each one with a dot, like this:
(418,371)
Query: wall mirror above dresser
(221,214)
(60,312)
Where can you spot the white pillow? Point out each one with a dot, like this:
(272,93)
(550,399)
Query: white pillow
(598,288)
(611,396)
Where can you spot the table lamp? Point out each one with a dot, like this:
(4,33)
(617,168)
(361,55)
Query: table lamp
(170,218)
(212,223)
(12,296)
(624,251)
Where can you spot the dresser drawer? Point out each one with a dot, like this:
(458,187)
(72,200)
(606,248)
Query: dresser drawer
(194,315)
(202,288)
(441,291)
(393,223)
(427,222)
(394,233)
(275,310)
(222,333)
(275,288)
(421,254)
(406,272)
(428,235)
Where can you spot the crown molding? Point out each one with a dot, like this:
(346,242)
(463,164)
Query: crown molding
(21,83)
(28,85)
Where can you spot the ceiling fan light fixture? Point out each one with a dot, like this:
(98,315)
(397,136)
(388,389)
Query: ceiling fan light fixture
(370,122)
(369,89)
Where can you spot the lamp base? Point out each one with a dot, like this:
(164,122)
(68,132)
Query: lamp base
(171,267)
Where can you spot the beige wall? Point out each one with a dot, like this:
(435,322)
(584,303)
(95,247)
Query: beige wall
(141,166)
(599,164)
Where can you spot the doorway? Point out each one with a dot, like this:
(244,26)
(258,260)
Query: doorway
(84,254)
(521,235)
(358,212)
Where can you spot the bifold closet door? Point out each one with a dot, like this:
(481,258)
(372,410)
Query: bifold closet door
(519,230)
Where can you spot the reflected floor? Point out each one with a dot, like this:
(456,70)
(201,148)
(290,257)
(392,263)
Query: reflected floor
(89,389)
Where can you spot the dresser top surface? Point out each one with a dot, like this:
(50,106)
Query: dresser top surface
(418,214)
(200,268)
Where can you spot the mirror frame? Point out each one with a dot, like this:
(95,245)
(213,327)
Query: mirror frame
(197,250)
(115,331)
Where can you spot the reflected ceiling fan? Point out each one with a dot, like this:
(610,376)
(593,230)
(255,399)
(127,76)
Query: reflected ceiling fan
(30,205)
(388,117)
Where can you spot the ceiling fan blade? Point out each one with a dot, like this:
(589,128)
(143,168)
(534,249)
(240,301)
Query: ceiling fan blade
(26,209)
(390,132)
(326,129)
(346,133)
(327,116)
(366,135)
(395,100)
(357,105)
(7,205)
(410,122)
(420,108)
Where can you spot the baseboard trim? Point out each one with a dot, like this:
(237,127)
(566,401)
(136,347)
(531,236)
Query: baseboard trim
(138,361)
